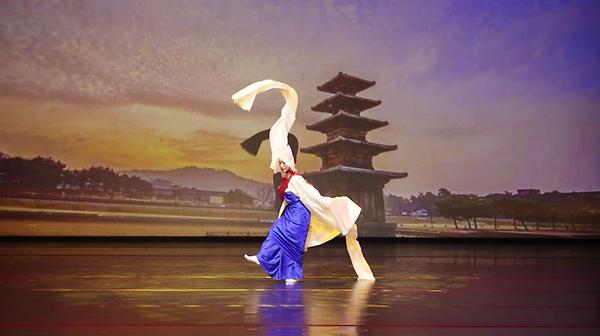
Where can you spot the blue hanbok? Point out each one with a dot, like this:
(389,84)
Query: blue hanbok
(281,253)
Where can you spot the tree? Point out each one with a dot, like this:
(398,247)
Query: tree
(134,186)
(265,195)
(238,197)
(473,209)
(397,204)
(99,179)
(443,192)
(429,202)
(460,207)
(37,173)
(450,207)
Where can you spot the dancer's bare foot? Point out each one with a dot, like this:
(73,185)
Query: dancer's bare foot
(252,259)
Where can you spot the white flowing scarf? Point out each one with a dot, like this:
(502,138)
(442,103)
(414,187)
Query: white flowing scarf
(330,216)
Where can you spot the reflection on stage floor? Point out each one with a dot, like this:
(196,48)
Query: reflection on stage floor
(207,288)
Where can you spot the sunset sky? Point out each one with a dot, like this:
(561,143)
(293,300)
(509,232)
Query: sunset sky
(480,96)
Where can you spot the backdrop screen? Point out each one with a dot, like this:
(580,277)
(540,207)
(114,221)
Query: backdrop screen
(455,118)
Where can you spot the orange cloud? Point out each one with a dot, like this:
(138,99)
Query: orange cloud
(133,136)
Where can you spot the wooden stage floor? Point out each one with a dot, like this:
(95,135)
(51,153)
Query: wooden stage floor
(207,288)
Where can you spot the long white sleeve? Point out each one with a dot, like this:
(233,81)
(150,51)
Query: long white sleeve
(278,135)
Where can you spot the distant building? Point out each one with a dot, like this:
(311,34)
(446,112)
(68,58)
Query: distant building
(201,197)
(67,186)
(167,190)
(528,192)
(585,193)
(419,213)
(163,188)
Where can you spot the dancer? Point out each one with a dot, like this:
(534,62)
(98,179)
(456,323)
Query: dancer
(306,218)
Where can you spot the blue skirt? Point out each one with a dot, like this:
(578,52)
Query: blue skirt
(280,255)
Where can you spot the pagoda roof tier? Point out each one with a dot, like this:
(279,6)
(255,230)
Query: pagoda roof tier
(345,83)
(358,171)
(348,103)
(373,148)
(346,120)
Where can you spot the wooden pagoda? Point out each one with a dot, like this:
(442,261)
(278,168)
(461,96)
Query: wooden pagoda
(347,156)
